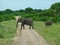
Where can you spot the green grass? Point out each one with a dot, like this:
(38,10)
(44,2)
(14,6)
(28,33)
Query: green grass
(7,32)
(50,34)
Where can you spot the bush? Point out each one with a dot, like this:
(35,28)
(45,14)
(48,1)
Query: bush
(43,18)
(1,36)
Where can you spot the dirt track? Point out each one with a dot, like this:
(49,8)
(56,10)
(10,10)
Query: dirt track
(28,37)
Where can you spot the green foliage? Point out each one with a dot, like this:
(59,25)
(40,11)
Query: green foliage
(28,9)
(8,11)
(6,17)
(7,32)
(56,7)
(43,18)
(38,10)
(21,10)
(51,34)
(1,36)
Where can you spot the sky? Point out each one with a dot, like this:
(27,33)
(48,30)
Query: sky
(22,4)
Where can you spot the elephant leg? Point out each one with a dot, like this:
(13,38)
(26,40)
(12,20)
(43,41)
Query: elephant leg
(29,27)
(16,24)
(23,27)
(32,27)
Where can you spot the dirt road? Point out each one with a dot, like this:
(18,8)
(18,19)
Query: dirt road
(28,37)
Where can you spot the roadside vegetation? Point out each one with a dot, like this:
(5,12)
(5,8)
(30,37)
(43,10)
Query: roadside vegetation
(51,34)
(7,32)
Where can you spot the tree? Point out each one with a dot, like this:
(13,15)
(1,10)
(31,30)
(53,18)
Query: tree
(56,7)
(29,9)
(21,10)
(8,11)
(38,10)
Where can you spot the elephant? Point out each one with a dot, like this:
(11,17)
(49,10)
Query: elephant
(48,23)
(25,21)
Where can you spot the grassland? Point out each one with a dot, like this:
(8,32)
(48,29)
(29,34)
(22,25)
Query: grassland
(51,34)
(7,32)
